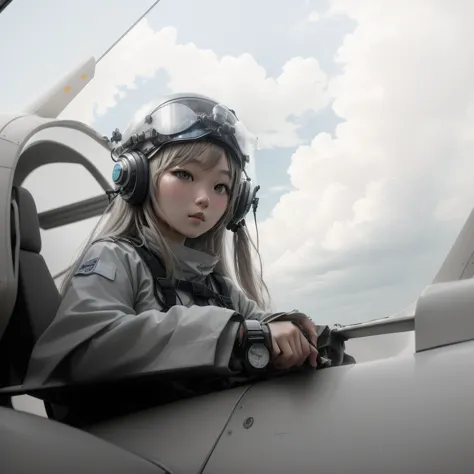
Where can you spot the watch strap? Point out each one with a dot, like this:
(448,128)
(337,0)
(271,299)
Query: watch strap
(257,332)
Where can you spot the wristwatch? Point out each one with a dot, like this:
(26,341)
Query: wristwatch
(256,346)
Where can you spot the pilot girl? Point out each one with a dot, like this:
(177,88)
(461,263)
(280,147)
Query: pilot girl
(181,184)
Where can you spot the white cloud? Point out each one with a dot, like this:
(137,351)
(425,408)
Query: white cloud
(314,16)
(376,207)
(263,103)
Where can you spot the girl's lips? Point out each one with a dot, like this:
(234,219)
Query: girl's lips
(198,216)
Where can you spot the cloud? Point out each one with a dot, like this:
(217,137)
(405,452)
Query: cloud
(314,16)
(264,103)
(376,207)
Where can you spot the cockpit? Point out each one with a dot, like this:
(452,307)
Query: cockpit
(29,293)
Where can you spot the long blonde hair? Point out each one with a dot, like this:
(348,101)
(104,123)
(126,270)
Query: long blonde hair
(123,220)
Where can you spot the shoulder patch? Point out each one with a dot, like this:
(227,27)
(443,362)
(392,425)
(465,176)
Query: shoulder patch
(97,267)
(87,267)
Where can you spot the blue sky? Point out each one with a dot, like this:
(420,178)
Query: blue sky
(364,114)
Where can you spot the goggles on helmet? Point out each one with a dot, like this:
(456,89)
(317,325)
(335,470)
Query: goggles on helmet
(188,118)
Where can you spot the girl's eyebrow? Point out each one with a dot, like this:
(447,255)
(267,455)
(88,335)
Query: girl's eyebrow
(224,171)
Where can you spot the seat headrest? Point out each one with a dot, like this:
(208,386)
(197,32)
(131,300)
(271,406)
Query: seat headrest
(30,237)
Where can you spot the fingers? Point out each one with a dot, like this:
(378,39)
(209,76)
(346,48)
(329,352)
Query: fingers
(313,357)
(310,329)
(285,359)
(298,353)
(300,348)
(276,348)
(291,348)
(306,348)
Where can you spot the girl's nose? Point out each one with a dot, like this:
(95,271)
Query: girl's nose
(202,200)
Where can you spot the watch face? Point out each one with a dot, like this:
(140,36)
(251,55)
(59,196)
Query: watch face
(258,356)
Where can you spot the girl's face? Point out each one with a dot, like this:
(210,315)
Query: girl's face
(192,198)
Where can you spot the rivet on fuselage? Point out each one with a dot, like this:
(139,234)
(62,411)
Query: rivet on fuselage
(248,422)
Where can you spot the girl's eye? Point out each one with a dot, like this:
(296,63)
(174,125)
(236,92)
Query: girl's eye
(222,188)
(181,174)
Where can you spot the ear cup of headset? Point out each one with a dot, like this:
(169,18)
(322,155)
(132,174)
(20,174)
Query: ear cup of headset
(243,203)
(131,175)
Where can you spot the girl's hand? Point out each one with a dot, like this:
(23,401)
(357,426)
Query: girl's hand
(290,347)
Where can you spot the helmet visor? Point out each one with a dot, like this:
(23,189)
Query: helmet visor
(192,118)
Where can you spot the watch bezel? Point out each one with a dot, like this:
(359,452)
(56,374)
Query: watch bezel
(260,344)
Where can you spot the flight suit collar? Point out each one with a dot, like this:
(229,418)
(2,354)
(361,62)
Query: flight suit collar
(191,263)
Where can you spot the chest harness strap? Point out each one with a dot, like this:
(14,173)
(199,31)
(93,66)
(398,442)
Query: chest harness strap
(200,292)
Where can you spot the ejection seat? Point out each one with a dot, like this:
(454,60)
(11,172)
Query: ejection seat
(29,443)
(37,302)
(37,298)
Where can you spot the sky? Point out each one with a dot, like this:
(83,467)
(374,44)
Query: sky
(363,111)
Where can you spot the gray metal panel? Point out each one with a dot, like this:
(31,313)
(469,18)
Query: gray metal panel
(181,435)
(22,128)
(8,278)
(70,213)
(5,119)
(468,271)
(34,445)
(365,349)
(458,263)
(444,314)
(379,326)
(55,100)
(44,152)
(8,153)
(19,155)
(403,415)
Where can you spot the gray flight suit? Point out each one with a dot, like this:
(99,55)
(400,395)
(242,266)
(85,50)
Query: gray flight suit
(110,324)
